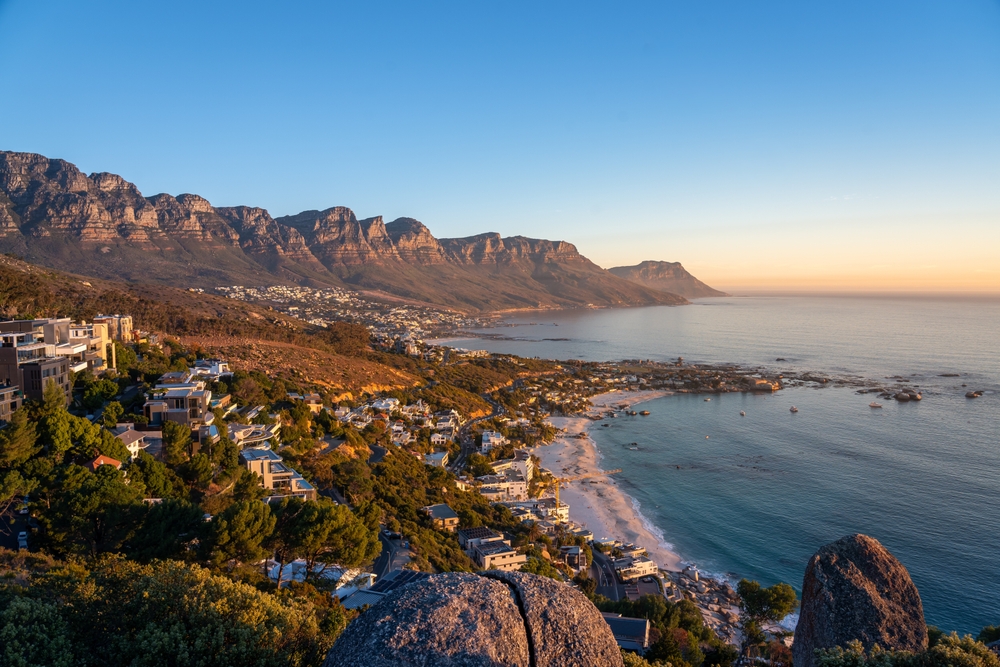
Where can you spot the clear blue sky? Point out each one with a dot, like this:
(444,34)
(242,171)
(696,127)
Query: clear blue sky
(761,143)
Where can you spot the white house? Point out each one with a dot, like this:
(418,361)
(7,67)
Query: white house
(492,439)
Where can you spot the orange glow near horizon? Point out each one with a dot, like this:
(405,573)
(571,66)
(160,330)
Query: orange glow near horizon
(956,254)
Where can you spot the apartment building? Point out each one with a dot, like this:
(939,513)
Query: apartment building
(11,398)
(29,362)
(119,326)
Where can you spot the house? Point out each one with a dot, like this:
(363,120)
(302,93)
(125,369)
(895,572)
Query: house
(103,460)
(469,538)
(574,555)
(187,404)
(275,475)
(343,581)
(543,507)
(498,556)
(252,435)
(629,568)
(437,439)
(492,439)
(342,412)
(133,440)
(212,369)
(632,634)
(390,582)
(314,402)
(436,459)
(442,516)
(388,405)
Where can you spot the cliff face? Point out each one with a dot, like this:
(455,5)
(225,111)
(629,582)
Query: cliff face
(666,276)
(101,225)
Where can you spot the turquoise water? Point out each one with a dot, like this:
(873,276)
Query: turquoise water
(763,492)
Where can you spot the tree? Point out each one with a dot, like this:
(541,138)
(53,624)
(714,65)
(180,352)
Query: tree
(17,440)
(286,539)
(331,534)
(158,480)
(197,471)
(34,634)
(113,411)
(248,487)
(759,605)
(167,530)
(176,443)
(53,398)
(94,513)
(989,634)
(239,531)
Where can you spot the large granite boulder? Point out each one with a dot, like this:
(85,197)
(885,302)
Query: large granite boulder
(491,619)
(854,589)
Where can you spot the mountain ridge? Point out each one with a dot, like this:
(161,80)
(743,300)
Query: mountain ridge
(101,225)
(666,276)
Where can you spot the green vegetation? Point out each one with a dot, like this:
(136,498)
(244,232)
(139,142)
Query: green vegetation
(759,605)
(119,612)
(678,635)
(950,651)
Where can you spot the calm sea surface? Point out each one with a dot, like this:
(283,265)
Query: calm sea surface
(760,494)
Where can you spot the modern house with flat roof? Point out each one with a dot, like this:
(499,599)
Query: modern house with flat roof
(29,361)
(275,475)
(498,556)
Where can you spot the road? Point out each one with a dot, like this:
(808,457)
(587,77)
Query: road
(393,557)
(607,583)
(11,523)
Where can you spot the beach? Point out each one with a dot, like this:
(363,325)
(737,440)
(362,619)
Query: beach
(598,504)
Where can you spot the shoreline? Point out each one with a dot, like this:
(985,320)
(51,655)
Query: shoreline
(599,504)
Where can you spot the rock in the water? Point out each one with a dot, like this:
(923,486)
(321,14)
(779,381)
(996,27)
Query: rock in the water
(490,620)
(855,589)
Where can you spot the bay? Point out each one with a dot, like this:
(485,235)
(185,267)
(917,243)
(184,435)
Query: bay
(760,494)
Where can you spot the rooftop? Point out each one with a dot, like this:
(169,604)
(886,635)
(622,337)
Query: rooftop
(440,512)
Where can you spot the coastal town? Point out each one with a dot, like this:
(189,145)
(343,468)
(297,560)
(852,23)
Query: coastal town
(506,455)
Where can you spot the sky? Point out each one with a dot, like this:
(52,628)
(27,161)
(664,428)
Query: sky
(821,145)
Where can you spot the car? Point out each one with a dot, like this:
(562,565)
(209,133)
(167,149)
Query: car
(23,511)
(22,540)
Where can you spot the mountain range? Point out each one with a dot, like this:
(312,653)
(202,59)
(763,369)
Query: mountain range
(101,225)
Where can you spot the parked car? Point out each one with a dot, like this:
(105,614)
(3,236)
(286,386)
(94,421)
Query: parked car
(22,540)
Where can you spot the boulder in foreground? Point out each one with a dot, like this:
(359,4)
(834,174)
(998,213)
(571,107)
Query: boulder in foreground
(491,619)
(854,589)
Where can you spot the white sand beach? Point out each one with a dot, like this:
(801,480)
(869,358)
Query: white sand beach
(599,504)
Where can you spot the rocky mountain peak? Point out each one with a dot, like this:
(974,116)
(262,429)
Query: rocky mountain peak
(666,276)
(854,589)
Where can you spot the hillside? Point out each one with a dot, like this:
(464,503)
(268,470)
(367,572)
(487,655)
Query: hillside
(668,277)
(101,225)
(336,359)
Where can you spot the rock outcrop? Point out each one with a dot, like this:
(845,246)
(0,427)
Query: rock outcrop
(491,619)
(101,225)
(854,589)
(666,276)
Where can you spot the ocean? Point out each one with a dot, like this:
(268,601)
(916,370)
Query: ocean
(761,493)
